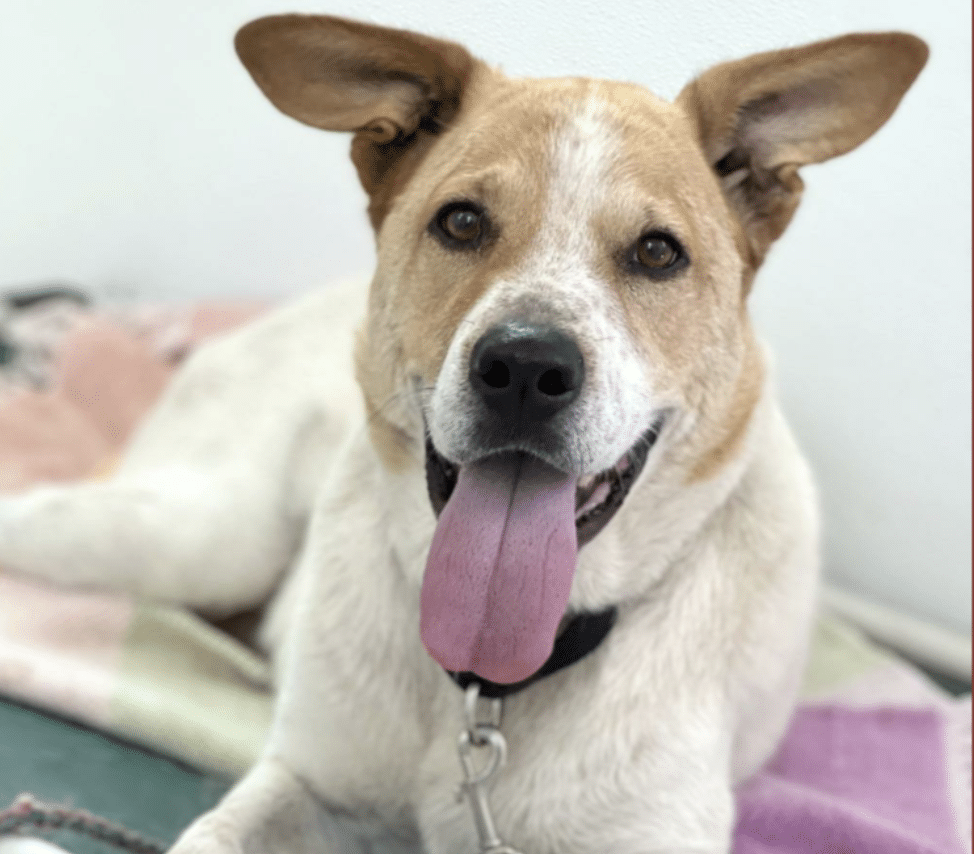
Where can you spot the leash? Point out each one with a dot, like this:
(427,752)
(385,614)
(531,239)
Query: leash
(26,812)
(482,736)
(580,637)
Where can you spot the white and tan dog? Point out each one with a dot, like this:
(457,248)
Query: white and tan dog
(560,409)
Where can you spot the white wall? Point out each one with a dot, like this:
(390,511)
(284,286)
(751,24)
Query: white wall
(137,159)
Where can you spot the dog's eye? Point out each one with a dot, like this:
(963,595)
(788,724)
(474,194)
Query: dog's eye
(657,252)
(460,225)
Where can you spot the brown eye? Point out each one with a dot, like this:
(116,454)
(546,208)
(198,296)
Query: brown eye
(460,225)
(657,252)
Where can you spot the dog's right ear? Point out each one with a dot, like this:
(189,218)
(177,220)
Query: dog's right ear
(394,89)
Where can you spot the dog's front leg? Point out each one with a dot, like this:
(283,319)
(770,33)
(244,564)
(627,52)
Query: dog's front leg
(270,811)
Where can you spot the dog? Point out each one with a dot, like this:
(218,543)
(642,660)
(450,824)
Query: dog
(539,457)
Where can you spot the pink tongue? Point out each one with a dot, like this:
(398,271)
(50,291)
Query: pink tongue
(500,568)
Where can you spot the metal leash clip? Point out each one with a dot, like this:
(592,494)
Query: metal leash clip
(482,737)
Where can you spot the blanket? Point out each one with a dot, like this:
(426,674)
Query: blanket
(877,759)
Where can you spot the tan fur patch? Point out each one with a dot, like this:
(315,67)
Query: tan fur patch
(737,418)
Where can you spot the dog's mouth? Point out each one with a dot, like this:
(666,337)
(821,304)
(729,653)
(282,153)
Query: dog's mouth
(503,556)
(597,496)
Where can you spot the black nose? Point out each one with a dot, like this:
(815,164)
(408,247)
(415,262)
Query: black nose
(526,370)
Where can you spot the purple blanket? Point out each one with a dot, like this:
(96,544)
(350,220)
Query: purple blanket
(855,781)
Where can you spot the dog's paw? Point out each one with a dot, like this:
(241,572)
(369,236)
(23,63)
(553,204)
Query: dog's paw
(211,834)
(199,845)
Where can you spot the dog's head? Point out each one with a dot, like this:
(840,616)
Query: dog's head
(562,282)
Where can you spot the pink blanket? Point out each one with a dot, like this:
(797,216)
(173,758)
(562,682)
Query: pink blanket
(98,373)
(877,760)
(859,781)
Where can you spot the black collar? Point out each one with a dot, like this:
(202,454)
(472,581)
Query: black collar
(582,635)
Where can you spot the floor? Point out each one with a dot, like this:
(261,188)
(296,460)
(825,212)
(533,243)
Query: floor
(64,763)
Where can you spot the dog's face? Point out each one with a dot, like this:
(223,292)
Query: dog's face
(562,277)
(562,282)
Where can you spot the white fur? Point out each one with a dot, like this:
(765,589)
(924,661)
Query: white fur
(257,464)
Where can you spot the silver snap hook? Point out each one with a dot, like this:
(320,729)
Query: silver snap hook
(480,736)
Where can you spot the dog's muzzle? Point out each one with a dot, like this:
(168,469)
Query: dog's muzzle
(510,522)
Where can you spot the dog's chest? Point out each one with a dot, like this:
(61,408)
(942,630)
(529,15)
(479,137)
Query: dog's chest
(373,726)
(588,771)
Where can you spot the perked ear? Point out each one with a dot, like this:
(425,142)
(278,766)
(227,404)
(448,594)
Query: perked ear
(759,119)
(395,89)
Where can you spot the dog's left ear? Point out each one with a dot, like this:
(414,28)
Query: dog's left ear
(394,89)
(759,119)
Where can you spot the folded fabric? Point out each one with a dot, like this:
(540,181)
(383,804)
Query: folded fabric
(854,780)
(877,759)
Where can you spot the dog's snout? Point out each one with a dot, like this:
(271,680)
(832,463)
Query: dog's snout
(526,370)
